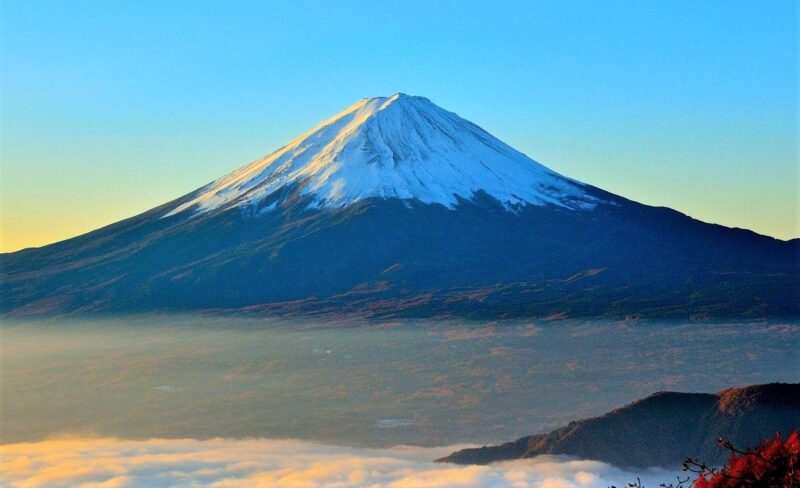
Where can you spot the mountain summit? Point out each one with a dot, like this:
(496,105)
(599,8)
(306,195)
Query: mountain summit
(396,207)
(400,147)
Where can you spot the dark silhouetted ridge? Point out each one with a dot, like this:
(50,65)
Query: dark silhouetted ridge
(662,429)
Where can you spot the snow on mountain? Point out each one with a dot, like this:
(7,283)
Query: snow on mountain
(401,147)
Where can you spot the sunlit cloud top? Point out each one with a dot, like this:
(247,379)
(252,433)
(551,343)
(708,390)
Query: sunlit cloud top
(221,463)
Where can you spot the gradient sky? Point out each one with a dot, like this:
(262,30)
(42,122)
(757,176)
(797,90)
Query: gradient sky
(111,108)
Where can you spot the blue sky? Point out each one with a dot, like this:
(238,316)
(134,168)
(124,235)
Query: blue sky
(110,108)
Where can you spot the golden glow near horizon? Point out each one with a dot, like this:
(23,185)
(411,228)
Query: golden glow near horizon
(37,209)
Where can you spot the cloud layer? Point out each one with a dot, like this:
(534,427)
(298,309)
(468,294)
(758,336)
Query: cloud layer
(281,463)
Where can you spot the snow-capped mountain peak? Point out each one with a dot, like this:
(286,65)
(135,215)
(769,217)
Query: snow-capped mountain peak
(402,147)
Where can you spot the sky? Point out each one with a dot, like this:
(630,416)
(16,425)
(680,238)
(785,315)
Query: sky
(109,109)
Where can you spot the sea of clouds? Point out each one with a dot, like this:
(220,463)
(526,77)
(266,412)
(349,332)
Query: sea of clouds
(283,463)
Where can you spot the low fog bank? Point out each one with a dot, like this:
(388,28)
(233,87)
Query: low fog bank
(284,463)
(376,385)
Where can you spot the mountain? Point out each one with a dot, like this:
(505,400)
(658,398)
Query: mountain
(662,429)
(396,207)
